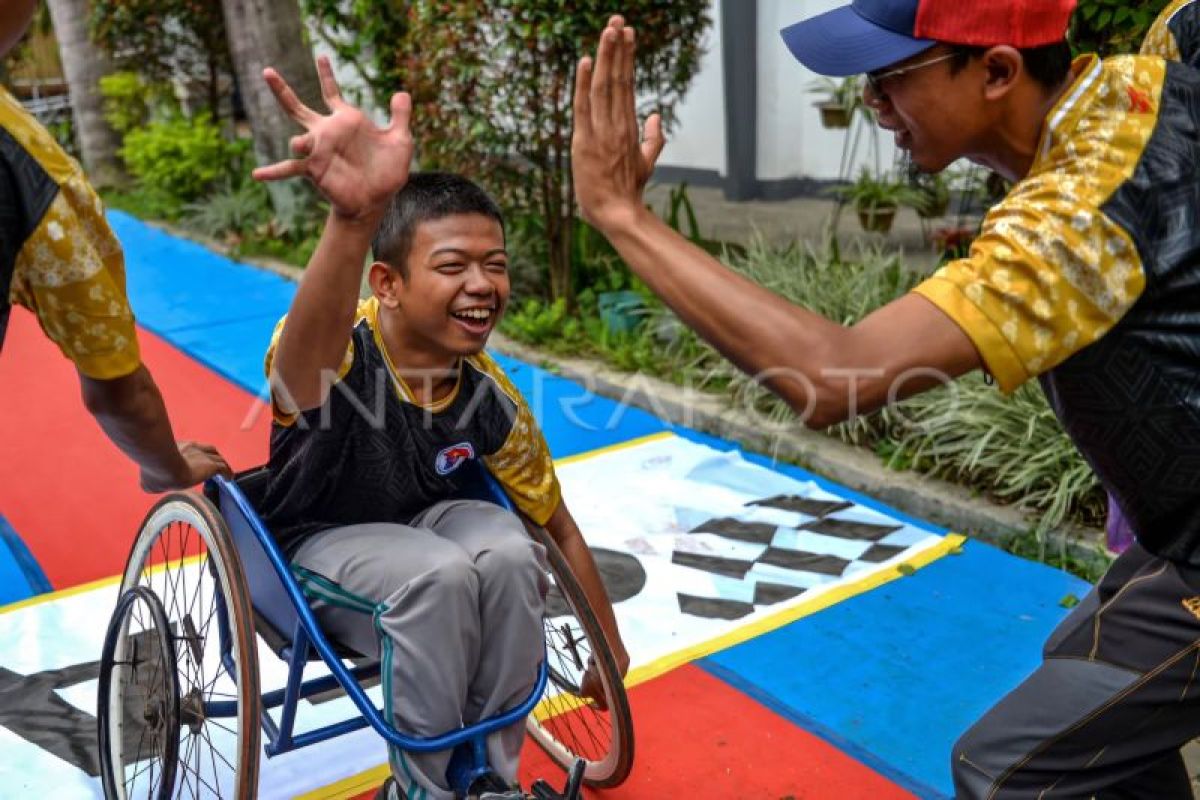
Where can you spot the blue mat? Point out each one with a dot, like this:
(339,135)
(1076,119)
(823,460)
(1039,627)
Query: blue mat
(894,676)
(20,575)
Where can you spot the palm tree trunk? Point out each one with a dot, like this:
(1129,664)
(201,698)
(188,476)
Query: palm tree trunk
(84,64)
(270,33)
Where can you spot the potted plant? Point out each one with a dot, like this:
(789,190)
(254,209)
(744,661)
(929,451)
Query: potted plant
(876,199)
(930,196)
(842,99)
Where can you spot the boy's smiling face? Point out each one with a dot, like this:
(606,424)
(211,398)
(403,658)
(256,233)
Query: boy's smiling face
(456,290)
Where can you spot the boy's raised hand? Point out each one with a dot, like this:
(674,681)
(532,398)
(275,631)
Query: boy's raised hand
(353,163)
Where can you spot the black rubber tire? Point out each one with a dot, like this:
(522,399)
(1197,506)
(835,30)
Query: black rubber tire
(563,724)
(164,682)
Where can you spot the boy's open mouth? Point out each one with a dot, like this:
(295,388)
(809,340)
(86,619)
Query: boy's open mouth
(476,320)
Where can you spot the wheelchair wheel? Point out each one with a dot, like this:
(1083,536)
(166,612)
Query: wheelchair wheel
(186,558)
(140,723)
(565,724)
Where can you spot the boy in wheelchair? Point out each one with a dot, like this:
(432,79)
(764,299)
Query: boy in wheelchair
(379,406)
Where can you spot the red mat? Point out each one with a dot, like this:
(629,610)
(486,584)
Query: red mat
(70,494)
(700,739)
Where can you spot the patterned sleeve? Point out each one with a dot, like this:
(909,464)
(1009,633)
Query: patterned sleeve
(282,417)
(523,464)
(1175,35)
(71,274)
(1047,277)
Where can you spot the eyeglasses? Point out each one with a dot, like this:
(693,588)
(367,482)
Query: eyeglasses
(875,79)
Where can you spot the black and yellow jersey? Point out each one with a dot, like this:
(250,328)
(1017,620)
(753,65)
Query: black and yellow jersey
(1175,35)
(371,453)
(58,256)
(1088,275)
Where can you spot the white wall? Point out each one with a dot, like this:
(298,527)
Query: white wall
(698,138)
(791,142)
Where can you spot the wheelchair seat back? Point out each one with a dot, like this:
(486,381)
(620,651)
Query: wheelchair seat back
(275,614)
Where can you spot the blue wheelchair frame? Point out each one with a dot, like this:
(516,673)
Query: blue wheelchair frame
(277,598)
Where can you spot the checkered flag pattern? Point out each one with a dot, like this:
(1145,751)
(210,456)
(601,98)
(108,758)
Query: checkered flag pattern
(779,547)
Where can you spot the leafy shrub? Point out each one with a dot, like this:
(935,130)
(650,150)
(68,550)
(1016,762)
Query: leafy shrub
(1012,448)
(1113,26)
(127,100)
(181,158)
(235,209)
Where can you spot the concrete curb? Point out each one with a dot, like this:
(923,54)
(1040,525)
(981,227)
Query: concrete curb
(941,502)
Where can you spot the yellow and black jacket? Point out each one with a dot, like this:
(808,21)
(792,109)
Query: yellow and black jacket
(372,454)
(1088,276)
(1175,35)
(58,257)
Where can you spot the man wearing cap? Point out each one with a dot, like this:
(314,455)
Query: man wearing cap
(1175,35)
(59,259)
(1087,277)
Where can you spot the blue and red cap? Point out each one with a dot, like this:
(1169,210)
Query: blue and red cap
(868,35)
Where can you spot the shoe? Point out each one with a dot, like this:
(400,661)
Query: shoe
(390,791)
(492,787)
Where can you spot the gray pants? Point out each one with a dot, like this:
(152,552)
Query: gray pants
(452,604)
(1116,696)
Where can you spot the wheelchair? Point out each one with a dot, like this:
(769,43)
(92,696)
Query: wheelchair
(180,712)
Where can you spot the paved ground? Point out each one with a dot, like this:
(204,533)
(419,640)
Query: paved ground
(785,221)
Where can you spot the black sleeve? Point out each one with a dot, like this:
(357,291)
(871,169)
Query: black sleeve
(26,191)
(1185,27)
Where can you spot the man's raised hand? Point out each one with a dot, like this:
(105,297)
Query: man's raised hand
(356,165)
(610,161)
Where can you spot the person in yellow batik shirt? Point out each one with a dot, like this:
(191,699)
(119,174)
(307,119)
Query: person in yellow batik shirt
(59,259)
(1086,277)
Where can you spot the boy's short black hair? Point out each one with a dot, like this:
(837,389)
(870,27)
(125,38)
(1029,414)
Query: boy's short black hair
(427,196)
(1049,64)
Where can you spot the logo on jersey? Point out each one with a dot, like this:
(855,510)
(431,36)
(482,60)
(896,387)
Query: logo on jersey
(453,457)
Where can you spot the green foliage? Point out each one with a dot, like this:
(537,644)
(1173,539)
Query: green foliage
(492,86)
(166,39)
(885,191)
(843,93)
(232,211)
(181,158)
(1081,563)
(130,100)
(143,203)
(680,210)
(294,246)
(1113,26)
(1011,447)
(930,196)
(63,131)
(539,323)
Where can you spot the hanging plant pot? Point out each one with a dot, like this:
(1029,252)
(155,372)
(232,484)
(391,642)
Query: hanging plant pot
(877,219)
(834,115)
(932,206)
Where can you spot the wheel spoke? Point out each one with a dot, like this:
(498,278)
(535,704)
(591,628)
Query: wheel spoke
(180,660)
